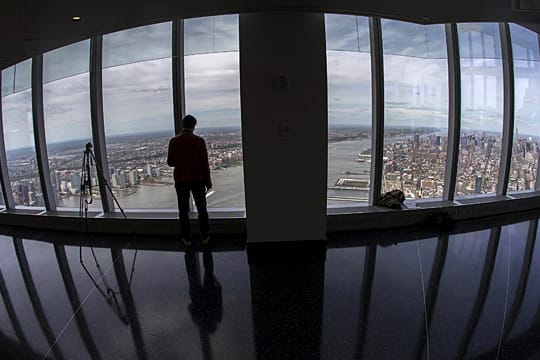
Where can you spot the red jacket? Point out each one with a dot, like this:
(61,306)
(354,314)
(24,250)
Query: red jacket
(188,155)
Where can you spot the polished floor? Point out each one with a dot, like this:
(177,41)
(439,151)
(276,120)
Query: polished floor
(466,291)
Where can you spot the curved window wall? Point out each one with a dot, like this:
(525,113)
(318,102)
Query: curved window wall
(525,151)
(19,135)
(349,109)
(480,143)
(138,112)
(416,109)
(66,104)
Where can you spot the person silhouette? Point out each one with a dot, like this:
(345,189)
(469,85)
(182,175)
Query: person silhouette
(206,307)
(188,155)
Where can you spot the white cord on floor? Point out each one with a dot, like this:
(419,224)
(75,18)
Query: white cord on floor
(424,295)
(505,298)
(46,356)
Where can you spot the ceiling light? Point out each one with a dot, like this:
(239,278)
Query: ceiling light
(76,18)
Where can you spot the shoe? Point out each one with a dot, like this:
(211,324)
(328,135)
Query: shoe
(205,239)
(186,242)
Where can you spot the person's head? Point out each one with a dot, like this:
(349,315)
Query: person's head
(189,122)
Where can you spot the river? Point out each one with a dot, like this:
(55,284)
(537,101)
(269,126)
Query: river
(228,191)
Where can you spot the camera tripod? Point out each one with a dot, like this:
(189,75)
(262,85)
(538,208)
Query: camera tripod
(86,183)
(86,198)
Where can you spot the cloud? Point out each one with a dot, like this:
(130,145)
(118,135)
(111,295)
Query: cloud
(137,44)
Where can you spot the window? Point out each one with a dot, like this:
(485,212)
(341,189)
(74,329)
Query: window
(138,114)
(525,150)
(19,134)
(66,103)
(416,108)
(212,95)
(481,109)
(349,109)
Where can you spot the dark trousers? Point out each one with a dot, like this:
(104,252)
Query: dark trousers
(199,195)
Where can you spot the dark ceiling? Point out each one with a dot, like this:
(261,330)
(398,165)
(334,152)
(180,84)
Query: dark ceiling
(29,27)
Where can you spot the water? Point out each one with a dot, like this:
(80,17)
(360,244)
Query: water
(342,157)
(229,183)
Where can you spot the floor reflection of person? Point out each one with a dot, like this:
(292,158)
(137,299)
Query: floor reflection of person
(206,307)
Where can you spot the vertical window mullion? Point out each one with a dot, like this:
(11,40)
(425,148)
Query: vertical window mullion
(4,174)
(508,110)
(179,98)
(39,133)
(178,77)
(98,127)
(454,111)
(537,185)
(377,99)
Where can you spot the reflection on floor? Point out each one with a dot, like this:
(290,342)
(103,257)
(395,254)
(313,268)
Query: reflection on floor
(468,292)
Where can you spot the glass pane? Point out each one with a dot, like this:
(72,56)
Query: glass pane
(17,78)
(67,61)
(213,96)
(20,149)
(66,103)
(8,81)
(481,109)
(413,40)
(211,34)
(138,112)
(416,108)
(525,151)
(23,75)
(349,112)
(138,44)
(347,32)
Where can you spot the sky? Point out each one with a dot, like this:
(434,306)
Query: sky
(137,85)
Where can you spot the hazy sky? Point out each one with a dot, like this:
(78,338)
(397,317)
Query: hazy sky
(137,79)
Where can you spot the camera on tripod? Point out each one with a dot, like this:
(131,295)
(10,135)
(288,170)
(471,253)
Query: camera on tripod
(86,198)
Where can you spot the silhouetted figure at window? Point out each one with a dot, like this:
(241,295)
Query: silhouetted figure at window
(206,307)
(189,157)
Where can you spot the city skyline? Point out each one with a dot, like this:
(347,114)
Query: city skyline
(414,161)
(202,130)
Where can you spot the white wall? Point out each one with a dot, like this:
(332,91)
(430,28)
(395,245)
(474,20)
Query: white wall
(284,128)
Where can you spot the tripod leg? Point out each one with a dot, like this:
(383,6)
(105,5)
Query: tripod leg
(106,182)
